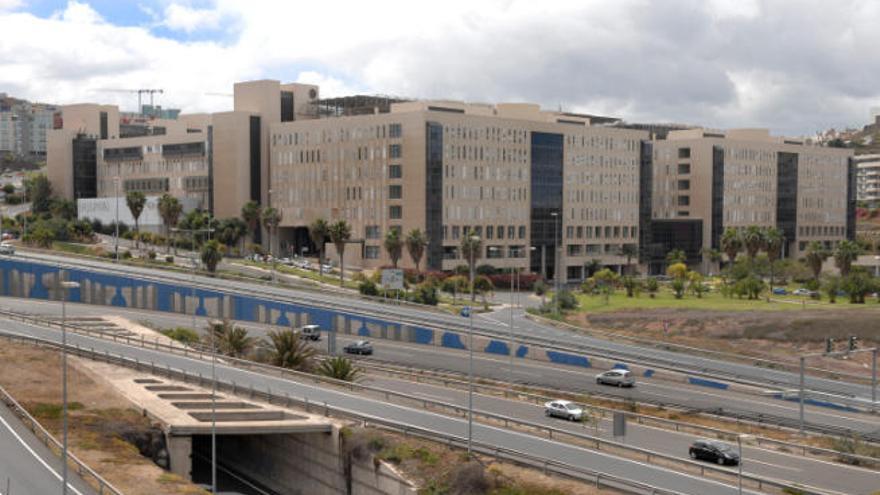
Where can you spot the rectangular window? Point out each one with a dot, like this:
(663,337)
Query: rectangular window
(371,252)
(456,232)
(569,232)
(616,232)
(394,151)
(608,232)
(683,213)
(684,185)
(395,192)
(574,249)
(511,231)
(494,252)
(450,252)
(395,171)
(684,152)
(500,230)
(516,252)
(394,130)
(490,232)
(372,232)
(684,201)
(522,232)
(684,168)
(395,212)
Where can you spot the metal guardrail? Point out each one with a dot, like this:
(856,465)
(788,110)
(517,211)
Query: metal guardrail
(203,352)
(639,453)
(83,470)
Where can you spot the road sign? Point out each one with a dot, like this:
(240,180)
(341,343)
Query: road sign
(392,278)
(466,311)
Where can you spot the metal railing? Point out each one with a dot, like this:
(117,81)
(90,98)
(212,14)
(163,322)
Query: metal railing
(646,455)
(84,471)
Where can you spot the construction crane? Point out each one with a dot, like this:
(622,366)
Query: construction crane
(140,93)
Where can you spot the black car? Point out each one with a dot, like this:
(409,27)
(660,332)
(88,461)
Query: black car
(714,451)
(359,347)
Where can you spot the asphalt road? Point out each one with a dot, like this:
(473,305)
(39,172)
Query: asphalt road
(27,467)
(524,371)
(550,449)
(496,323)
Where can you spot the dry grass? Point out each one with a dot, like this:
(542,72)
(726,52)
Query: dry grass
(98,419)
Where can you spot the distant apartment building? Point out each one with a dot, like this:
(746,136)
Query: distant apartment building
(23,127)
(868,179)
(706,181)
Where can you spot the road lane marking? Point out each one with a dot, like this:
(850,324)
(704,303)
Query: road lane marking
(37,457)
(750,461)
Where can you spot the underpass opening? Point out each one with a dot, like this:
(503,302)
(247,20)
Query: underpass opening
(230,478)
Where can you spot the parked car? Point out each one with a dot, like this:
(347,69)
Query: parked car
(803,292)
(713,451)
(780,291)
(6,248)
(286,261)
(617,377)
(327,268)
(564,409)
(310,332)
(359,347)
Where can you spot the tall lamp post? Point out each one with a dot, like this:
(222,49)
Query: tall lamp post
(466,312)
(116,224)
(64,286)
(739,442)
(556,216)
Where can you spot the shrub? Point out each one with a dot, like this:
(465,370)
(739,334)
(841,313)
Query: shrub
(539,287)
(126,255)
(368,288)
(468,478)
(151,254)
(169,259)
(181,334)
(486,270)
(565,299)
(424,294)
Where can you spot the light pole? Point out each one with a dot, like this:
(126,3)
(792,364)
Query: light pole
(65,286)
(802,393)
(739,442)
(474,240)
(557,217)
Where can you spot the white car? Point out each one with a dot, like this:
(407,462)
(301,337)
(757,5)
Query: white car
(616,377)
(6,248)
(564,409)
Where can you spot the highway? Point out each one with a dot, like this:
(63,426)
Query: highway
(27,467)
(496,324)
(524,371)
(550,449)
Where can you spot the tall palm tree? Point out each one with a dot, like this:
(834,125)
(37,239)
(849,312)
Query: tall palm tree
(731,243)
(815,258)
(319,230)
(212,254)
(416,242)
(231,230)
(630,251)
(340,368)
(251,213)
(676,256)
(773,246)
(471,249)
(231,340)
(846,253)
(340,233)
(393,245)
(170,210)
(753,240)
(136,201)
(290,351)
(271,219)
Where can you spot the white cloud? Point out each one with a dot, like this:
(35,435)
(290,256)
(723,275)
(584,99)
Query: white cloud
(6,5)
(185,18)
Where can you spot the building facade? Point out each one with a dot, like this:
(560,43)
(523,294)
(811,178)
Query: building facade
(706,181)
(23,127)
(868,179)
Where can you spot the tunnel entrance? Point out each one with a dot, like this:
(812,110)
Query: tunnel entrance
(230,480)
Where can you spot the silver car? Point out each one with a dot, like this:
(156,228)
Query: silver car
(564,409)
(616,377)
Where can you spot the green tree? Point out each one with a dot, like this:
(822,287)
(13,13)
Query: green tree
(272,219)
(288,350)
(629,251)
(38,190)
(319,231)
(170,210)
(652,286)
(832,286)
(454,285)
(339,368)
(231,231)
(858,284)
(695,284)
(604,281)
(815,258)
(471,249)
(773,241)
(592,266)
(731,243)
(340,233)
(483,285)
(212,253)
(631,284)
(753,240)
(62,208)
(393,245)
(846,253)
(750,286)
(416,242)
(251,213)
(135,200)
(230,340)
(676,256)
(677,271)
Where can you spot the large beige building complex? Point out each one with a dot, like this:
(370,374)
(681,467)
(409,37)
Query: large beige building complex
(705,181)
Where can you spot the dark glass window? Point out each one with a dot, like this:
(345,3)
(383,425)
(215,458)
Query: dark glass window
(684,168)
(394,151)
(395,171)
(684,201)
(684,185)
(395,212)
(395,191)
(394,130)
(546,197)
(684,152)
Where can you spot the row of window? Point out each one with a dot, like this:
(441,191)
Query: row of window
(610,232)
(592,249)
(499,232)
(823,230)
(490,252)
(484,173)
(340,135)
(485,193)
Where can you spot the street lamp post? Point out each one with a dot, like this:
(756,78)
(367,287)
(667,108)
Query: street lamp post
(65,286)
(116,224)
(802,392)
(474,239)
(556,256)
(739,442)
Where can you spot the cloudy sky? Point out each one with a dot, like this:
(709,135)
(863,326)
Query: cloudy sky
(796,66)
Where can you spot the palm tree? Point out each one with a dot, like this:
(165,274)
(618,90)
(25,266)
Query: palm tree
(773,245)
(231,230)
(471,248)
(170,210)
(251,213)
(340,233)
(393,245)
(318,232)
(846,253)
(135,201)
(290,351)
(340,368)
(271,219)
(731,243)
(815,258)
(212,253)
(231,340)
(416,242)
(630,251)
(753,240)
(676,256)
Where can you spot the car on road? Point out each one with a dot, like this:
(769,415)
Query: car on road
(564,409)
(714,451)
(805,292)
(616,377)
(310,332)
(6,248)
(780,291)
(359,347)
(327,267)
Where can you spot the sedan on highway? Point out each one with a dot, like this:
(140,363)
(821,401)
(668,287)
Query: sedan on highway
(618,378)
(359,347)
(564,409)
(714,451)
